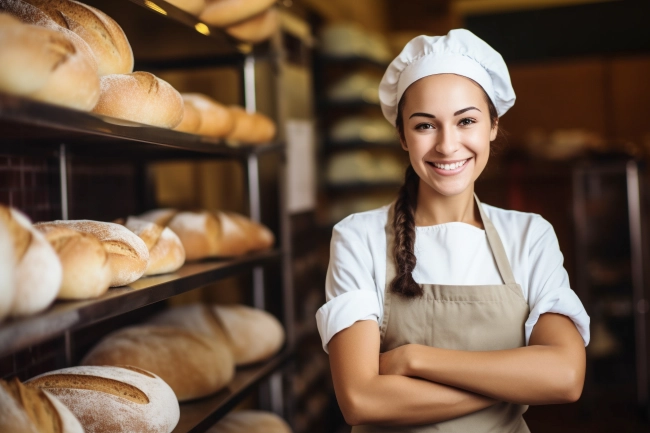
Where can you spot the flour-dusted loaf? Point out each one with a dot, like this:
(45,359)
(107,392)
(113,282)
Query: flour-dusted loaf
(192,364)
(159,216)
(250,421)
(166,252)
(250,128)
(110,399)
(256,29)
(194,7)
(191,122)
(253,335)
(26,409)
(45,65)
(140,97)
(216,119)
(128,255)
(38,273)
(86,268)
(7,266)
(222,13)
(104,36)
(219,234)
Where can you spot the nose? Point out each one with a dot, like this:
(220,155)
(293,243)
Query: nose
(446,142)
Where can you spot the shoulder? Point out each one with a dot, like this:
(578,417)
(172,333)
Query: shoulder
(363,224)
(521,226)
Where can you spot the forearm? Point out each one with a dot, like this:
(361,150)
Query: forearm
(398,400)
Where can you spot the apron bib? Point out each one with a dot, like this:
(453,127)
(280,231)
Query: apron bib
(475,318)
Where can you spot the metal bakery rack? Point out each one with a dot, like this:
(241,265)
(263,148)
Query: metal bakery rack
(56,137)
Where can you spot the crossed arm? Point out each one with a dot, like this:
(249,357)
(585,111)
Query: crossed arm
(416,384)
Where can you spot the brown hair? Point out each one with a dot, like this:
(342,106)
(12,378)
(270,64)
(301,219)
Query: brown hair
(404,218)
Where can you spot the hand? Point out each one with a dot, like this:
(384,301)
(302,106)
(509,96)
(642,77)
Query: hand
(395,362)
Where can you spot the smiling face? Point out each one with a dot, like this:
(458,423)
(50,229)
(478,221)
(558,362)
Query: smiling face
(447,130)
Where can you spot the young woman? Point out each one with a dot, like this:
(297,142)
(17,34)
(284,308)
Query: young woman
(445,314)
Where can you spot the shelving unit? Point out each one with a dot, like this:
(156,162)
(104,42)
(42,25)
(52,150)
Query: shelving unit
(31,129)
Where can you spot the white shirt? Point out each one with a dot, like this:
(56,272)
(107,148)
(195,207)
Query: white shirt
(453,253)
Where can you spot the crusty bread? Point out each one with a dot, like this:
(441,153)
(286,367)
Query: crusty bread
(256,29)
(104,36)
(114,399)
(250,421)
(191,122)
(86,268)
(37,276)
(253,335)
(25,409)
(190,363)
(166,252)
(159,216)
(140,97)
(194,7)
(222,13)
(216,119)
(7,266)
(128,255)
(249,128)
(44,64)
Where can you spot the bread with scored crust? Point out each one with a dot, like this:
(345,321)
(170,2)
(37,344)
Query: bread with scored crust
(166,252)
(250,421)
(256,29)
(223,13)
(194,7)
(250,128)
(216,119)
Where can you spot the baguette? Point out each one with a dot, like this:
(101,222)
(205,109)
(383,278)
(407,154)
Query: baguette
(86,269)
(26,409)
(256,29)
(128,255)
(223,13)
(159,216)
(216,119)
(114,399)
(191,364)
(250,421)
(166,252)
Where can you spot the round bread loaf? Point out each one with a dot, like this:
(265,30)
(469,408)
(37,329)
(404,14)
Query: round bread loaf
(159,216)
(86,268)
(38,273)
(166,252)
(104,36)
(44,64)
(7,265)
(194,7)
(190,363)
(222,13)
(114,399)
(216,119)
(140,97)
(256,29)
(26,409)
(128,255)
(249,128)
(191,122)
(250,421)
(253,335)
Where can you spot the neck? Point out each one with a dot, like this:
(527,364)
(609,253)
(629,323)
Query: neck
(434,208)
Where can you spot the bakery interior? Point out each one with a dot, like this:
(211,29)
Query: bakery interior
(259,121)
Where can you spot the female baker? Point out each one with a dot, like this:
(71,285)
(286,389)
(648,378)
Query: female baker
(444,314)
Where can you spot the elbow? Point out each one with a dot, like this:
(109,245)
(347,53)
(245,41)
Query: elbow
(569,389)
(354,410)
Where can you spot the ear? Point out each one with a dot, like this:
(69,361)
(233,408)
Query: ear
(494,130)
(402,143)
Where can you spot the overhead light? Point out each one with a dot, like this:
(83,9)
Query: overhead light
(152,5)
(202,28)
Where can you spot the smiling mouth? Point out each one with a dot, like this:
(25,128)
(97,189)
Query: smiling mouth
(449,167)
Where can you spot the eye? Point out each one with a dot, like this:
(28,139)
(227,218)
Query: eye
(420,126)
(466,121)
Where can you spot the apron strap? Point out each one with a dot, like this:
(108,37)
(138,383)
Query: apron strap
(496,245)
(390,269)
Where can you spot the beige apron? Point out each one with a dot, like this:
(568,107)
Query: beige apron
(477,318)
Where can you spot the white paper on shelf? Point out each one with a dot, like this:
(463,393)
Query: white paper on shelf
(301,165)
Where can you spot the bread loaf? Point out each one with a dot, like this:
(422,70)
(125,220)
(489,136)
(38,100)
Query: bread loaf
(216,119)
(219,234)
(166,252)
(222,13)
(25,409)
(114,399)
(104,36)
(7,266)
(194,7)
(253,335)
(140,97)
(44,64)
(128,255)
(159,216)
(38,273)
(250,421)
(86,269)
(191,364)
(191,122)
(256,29)
(249,128)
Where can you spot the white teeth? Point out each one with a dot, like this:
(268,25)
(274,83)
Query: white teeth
(450,166)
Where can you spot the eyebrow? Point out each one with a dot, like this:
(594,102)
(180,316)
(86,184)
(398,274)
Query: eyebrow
(431,116)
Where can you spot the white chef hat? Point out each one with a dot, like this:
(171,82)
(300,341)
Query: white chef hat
(460,52)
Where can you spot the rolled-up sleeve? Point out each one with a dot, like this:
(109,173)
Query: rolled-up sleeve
(350,286)
(549,289)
